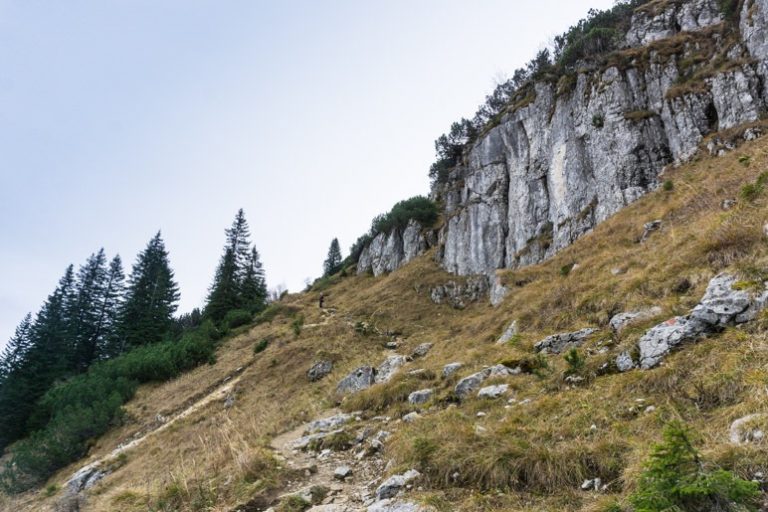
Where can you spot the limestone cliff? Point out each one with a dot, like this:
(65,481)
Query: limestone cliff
(579,149)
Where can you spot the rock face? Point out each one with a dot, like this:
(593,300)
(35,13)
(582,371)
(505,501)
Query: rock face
(358,380)
(723,304)
(570,157)
(459,294)
(559,342)
(389,251)
(85,478)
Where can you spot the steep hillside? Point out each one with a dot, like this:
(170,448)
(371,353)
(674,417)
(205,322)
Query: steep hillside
(220,437)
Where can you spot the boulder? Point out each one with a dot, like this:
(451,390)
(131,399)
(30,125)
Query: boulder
(509,333)
(392,485)
(748,429)
(623,320)
(342,473)
(411,417)
(421,350)
(723,304)
(319,370)
(471,383)
(359,379)
(450,369)
(493,391)
(649,228)
(460,294)
(389,368)
(85,478)
(557,343)
(420,397)
(624,362)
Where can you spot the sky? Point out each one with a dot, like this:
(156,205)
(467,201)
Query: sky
(122,118)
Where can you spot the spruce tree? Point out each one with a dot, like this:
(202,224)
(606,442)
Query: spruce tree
(108,341)
(17,347)
(224,294)
(253,289)
(87,315)
(151,298)
(332,263)
(238,241)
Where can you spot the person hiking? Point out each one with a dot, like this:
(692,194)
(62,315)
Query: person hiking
(322,300)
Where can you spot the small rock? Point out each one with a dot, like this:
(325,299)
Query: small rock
(559,342)
(624,362)
(421,350)
(393,506)
(469,384)
(618,271)
(411,417)
(592,484)
(391,486)
(450,369)
(648,228)
(342,473)
(493,391)
(392,345)
(650,409)
(509,333)
(744,430)
(482,414)
(319,370)
(85,478)
(727,204)
(329,423)
(420,397)
(623,320)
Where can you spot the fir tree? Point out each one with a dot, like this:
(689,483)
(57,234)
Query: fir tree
(253,289)
(238,241)
(108,344)
(224,293)
(87,311)
(332,263)
(146,315)
(16,348)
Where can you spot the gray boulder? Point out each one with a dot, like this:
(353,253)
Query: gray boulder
(493,391)
(623,320)
(451,368)
(421,350)
(342,473)
(420,397)
(558,342)
(722,305)
(624,362)
(319,370)
(747,429)
(509,333)
(389,368)
(392,485)
(359,379)
(85,478)
(649,228)
(471,383)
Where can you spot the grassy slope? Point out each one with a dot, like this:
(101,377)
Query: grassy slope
(531,456)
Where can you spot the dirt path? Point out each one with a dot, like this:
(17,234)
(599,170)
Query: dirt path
(347,495)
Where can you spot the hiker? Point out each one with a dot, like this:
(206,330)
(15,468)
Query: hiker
(322,300)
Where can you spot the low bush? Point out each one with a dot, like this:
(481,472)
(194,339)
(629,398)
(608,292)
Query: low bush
(675,478)
(237,318)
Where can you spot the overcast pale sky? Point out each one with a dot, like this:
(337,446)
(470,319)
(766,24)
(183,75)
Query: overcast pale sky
(122,117)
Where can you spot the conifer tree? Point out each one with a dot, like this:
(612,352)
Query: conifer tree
(151,298)
(224,293)
(16,348)
(253,289)
(238,241)
(332,263)
(87,317)
(107,338)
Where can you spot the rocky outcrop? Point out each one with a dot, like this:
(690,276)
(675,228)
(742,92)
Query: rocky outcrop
(319,370)
(559,342)
(471,383)
(621,321)
(389,367)
(389,251)
(394,484)
(724,303)
(460,294)
(575,153)
(420,397)
(359,379)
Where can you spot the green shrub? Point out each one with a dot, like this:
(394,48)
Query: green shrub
(261,346)
(566,269)
(236,318)
(675,478)
(82,408)
(668,186)
(575,362)
(745,160)
(297,324)
(751,191)
(419,208)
